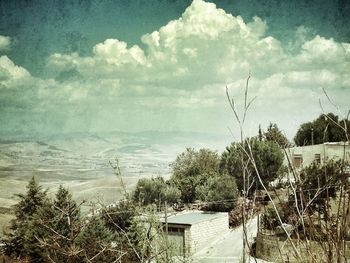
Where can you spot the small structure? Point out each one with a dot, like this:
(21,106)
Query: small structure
(188,232)
(303,156)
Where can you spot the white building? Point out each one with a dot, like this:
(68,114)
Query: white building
(303,156)
(191,231)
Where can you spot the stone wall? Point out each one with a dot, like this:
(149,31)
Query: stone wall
(279,249)
(204,233)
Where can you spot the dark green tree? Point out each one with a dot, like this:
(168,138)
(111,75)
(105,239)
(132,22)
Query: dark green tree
(146,240)
(96,242)
(155,191)
(320,182)
(19,242)
(326,128)
(192,168)
(260,134)
(274,134)
(118,217)
(57,226)
(267,156)
(219,192)
(149,191)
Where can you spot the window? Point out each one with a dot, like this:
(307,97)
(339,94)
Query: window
(297,160)
(318,158)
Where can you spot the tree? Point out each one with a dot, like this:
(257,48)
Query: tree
(326,128)
(96,240)
(260,135)
(118,217)
(320,183)
(155,191)
(19,242)
(147,242)
(220,192)
(57,226)
(191,168)
(268,158)
(148,191)
(273,134)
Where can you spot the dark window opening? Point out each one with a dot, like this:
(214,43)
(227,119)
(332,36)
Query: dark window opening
(297,160)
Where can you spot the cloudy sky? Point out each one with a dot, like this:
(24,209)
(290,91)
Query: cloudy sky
(96,66)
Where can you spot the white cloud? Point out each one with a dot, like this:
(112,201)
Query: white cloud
(321,52)
(10,72)
(5,43)
(186,63)
(116,52)
(205,43)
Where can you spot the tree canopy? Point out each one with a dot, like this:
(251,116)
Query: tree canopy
(18,241)
(191,169)
(155,191)
(274,134)
(197,175)
(267,156)
(326,128)
(219,193)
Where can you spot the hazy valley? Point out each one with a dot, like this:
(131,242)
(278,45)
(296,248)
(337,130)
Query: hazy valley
(81,162)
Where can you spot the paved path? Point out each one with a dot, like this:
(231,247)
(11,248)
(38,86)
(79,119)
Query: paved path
(229,247)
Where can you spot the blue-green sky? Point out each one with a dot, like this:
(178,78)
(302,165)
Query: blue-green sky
(164,64)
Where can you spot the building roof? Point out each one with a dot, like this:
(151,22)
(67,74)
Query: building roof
(325,143)
(192,218)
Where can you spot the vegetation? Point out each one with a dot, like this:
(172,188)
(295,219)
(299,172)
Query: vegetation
(317,204)
(20,242)
(274,134)
(191,169)
(155,191)
(197,175)
(216,181)
(218,193)
(97,241)
(118,217)
(56,226)
(321,183)
(46,230)
(326,128)
(268,159)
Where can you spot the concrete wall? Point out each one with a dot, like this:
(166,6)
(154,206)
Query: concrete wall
(338,152)
(279,249)
(327,151)
(202,234)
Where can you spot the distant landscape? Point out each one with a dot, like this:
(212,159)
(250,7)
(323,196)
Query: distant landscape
(81,162)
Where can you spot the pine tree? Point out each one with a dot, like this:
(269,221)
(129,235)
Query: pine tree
(274,134)
(65,227)
(96,240)
(56,226)
(19,238)
(260,135)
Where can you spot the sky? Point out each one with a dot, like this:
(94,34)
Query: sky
(164,65)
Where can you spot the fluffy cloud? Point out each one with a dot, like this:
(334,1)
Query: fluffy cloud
(205,44)
(5,43)
(185,65)
(9,72)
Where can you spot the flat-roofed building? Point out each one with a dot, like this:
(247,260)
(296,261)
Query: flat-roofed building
(302,156)
(188,232)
